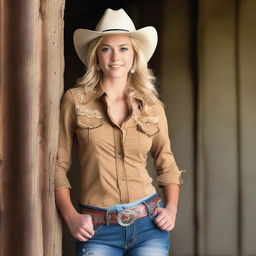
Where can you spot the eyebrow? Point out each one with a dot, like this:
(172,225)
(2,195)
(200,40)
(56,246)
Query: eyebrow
(118,45)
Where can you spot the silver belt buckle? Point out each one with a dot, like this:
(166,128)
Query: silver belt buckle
(126,217)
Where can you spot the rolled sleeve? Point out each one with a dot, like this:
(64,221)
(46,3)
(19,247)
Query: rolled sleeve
(164,161)
(66,134)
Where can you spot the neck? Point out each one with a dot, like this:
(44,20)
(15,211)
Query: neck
(115,88)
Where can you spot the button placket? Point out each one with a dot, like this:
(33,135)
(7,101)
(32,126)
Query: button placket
(120,167)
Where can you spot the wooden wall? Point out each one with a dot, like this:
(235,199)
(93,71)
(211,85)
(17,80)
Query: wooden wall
(31,66)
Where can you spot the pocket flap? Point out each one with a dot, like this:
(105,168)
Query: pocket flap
(148,128)
(89,122)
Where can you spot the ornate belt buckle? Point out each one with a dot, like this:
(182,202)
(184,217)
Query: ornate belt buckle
(126,217)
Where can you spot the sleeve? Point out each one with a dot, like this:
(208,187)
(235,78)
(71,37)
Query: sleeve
(164,161)
(66,134)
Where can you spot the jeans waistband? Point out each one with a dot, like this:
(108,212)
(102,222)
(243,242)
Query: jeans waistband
(120,207)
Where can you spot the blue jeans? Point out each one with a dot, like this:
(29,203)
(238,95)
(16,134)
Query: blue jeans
(142,238)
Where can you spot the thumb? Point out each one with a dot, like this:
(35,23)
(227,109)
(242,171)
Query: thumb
(88,219)
(157,211)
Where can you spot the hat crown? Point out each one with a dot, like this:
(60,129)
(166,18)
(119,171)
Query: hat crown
(115,20)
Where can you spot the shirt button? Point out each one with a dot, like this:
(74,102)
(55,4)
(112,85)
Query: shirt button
(120,154)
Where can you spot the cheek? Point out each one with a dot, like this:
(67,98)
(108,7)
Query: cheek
(100,60)
(103,64)
(129,60)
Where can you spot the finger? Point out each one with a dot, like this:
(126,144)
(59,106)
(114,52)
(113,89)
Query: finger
(171,227)
(87,224)
(85,233)
(81,238)
(160,216)
(166,226)
(88,220)
(88,229)
(157,211)
(163,221)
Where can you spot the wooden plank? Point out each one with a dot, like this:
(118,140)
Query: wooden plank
(52,84)
(32,68)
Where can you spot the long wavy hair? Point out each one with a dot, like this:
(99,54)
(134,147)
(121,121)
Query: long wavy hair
(140,84)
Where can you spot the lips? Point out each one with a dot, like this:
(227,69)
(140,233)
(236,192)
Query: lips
(116,66)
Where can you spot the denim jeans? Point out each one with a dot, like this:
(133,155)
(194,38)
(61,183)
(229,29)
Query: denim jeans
(142,238)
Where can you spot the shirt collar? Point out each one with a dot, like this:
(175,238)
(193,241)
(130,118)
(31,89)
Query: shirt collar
(99,91)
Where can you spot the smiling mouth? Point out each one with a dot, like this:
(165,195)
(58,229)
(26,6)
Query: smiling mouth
(116,66)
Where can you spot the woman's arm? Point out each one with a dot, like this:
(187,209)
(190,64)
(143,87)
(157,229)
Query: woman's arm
(166,217)
(168,173)
(171,196)
(80,225)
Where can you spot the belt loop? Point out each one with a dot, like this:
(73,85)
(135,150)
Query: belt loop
(148,208)
(107,218)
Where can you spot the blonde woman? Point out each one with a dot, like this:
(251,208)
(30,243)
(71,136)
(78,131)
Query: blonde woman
(117,119)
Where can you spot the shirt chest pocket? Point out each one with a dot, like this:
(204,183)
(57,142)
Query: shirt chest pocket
(146,134)
(88,122)
(89,128)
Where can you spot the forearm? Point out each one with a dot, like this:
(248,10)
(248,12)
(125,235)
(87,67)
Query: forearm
(171,196)
(165,217)
(64,203)
(80,225)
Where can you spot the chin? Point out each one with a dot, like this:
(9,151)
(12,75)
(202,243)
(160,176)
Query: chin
(117,75)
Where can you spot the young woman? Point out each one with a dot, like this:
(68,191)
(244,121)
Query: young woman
(117,119)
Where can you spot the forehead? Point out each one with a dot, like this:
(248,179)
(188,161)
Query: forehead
(116,39)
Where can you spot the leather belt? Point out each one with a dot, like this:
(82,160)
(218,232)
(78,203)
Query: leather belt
(125,217)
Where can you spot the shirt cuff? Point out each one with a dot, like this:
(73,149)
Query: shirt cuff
(61,181)
(170,176)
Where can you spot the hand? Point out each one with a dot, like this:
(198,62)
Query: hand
(80,226)
(165,218)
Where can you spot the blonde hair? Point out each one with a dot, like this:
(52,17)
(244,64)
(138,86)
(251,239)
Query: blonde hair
(140,84)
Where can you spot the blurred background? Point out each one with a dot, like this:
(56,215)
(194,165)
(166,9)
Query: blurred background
(205,64)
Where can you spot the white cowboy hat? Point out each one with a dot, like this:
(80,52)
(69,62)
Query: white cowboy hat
(116,22)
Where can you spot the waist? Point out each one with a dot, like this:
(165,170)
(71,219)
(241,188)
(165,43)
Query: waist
(96,195)
(123,214)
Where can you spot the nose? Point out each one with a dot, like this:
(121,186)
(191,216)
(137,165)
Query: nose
(115,55)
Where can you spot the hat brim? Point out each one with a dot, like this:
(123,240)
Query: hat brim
(146,38)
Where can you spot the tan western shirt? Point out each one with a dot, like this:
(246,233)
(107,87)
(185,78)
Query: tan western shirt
(112,158)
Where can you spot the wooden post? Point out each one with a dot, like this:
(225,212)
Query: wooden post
(32,66)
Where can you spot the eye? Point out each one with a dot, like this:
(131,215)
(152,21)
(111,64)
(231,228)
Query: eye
(105,49)
(123,49)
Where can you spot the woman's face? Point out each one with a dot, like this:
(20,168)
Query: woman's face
(115,56)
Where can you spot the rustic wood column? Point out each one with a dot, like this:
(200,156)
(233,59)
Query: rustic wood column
(32,65)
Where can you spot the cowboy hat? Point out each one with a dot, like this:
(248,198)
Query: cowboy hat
(116,22)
